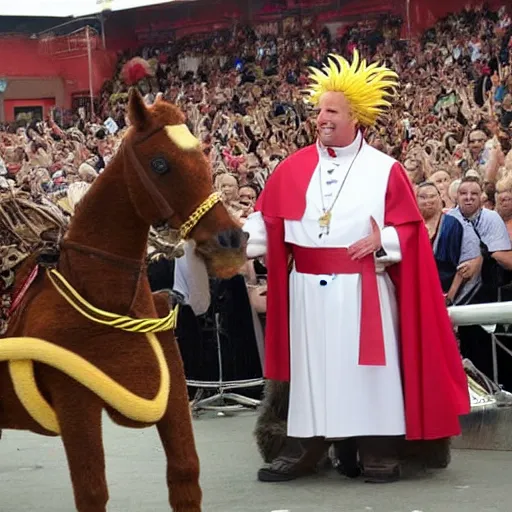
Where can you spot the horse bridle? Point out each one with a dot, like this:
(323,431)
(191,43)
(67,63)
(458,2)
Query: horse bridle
(164,209)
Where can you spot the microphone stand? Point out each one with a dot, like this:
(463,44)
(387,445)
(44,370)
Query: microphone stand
(224,400)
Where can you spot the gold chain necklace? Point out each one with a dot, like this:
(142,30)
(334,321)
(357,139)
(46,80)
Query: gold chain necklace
(325,219)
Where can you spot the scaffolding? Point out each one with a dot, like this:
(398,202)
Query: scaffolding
(76,44)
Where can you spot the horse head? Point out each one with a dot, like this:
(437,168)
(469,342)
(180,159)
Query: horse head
(170,182)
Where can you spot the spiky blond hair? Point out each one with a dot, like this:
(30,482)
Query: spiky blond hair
(364,86)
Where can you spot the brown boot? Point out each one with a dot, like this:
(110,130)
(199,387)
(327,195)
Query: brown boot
(299,457)
(379,458)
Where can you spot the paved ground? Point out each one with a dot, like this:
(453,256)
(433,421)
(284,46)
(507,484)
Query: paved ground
(34,477)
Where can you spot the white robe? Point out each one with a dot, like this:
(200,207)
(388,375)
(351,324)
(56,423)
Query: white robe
(331,395)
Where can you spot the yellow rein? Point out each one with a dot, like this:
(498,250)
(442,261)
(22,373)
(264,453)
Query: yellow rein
(99,316)
(20,353)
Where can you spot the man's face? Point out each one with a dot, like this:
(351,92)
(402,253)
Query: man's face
(247,194)
(476,142)
(469,198)
(492,125)
(335,124)
(378,143)
(441,180)
(228,187)
(413,170)
(504,204)
(247,198)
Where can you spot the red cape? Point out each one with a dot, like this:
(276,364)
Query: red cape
(434,381)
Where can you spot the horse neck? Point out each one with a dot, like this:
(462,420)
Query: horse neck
(104,260)
(107,220)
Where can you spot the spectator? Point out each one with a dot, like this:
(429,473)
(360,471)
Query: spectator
(445,233)
(504,202)
(486,236)
(487,248)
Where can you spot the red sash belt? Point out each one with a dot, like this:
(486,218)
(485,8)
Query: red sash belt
(310,260)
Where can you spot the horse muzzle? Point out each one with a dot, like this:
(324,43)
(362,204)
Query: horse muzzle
(233,238)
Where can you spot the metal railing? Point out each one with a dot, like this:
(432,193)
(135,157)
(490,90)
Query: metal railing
(487,427)
(486,315)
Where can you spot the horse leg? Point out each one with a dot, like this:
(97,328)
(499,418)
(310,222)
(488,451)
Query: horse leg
(176,434)
(79,413)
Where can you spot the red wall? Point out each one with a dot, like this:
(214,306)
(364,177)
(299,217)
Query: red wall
(424,13)
(25,58)
(10,105)
(357,9)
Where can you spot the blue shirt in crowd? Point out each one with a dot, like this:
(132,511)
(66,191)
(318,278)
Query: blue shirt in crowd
(494,234)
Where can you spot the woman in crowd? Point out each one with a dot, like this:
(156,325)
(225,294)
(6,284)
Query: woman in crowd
(446,235)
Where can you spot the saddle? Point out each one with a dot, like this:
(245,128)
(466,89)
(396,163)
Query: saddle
(29,224)
(47,255)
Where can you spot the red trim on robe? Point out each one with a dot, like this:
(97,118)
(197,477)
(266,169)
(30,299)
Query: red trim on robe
(284,194)
(283,197)
(434,381)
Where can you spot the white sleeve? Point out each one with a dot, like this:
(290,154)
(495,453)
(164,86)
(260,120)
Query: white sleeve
(390,246)
(191,280)
(257,243)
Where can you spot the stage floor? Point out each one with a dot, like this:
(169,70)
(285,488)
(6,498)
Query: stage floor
(34,476)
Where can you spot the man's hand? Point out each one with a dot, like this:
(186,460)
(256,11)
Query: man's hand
(367,245)
(470,268)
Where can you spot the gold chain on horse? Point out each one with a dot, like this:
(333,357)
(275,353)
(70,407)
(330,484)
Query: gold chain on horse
(198,213)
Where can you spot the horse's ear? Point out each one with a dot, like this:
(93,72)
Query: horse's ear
(137,111)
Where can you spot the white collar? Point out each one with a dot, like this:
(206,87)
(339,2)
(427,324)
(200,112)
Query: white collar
(341,152)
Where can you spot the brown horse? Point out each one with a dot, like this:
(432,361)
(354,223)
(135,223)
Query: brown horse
(158,175)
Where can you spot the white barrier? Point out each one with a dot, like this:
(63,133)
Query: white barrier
(481,314)
(486,315)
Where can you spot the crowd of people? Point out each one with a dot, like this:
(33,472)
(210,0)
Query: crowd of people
(242,93)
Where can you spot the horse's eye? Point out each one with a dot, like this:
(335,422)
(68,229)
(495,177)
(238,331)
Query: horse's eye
(159,165)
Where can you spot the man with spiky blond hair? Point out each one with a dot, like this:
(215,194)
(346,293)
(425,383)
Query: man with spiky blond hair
(359,326)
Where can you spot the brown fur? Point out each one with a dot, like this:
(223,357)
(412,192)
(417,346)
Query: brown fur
(103,259)
(271,425)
